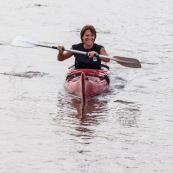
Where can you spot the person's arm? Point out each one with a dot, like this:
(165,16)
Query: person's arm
(63,55)
(103,52)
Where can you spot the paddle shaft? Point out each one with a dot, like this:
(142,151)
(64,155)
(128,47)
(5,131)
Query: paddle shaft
(77,51)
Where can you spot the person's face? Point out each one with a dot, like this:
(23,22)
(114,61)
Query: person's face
(88,38)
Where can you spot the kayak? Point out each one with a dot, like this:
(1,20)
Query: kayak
(86,83)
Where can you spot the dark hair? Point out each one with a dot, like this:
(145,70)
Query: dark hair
(87,27)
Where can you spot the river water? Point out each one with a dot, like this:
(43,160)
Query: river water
(128,129)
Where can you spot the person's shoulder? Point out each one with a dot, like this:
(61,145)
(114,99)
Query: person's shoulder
(98,44)
(98,47)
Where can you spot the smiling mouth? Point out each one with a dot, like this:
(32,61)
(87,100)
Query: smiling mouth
(90,41)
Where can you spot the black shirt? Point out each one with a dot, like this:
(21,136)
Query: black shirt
(83,61)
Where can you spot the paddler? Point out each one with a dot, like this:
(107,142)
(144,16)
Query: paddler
(91,61)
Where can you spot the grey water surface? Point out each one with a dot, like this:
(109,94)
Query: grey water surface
(43,129)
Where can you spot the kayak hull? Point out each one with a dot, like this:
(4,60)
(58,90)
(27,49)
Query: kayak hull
(87,83)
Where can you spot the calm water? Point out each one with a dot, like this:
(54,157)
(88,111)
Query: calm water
(129,129)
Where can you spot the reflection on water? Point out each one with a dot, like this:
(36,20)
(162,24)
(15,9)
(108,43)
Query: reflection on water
(89,111)
(89,116)
(80,118)
(86,113)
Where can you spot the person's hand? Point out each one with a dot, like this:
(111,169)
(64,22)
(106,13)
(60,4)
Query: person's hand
(92,54)
(60,49)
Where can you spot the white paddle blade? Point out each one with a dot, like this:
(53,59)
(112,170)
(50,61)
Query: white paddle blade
(23,41)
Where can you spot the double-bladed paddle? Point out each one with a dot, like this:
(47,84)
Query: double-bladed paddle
(27,42)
